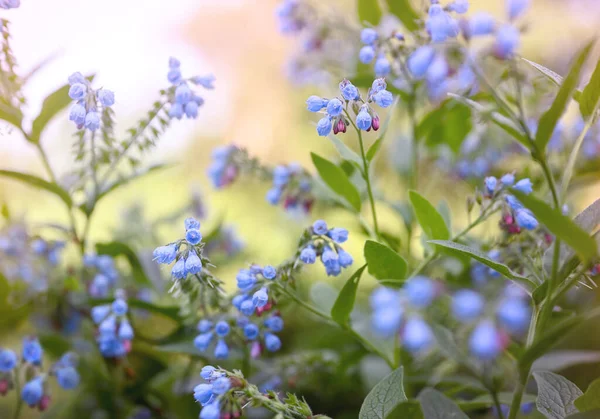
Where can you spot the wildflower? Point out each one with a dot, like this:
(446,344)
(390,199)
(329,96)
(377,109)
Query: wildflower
(485,342)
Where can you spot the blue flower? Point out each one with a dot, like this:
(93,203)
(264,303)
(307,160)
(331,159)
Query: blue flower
(420,291)
(203,393)
(174,75)
(329,257)
(67,377)
(524,185)
(507,41)
(420,60)
(315,103)
(514,314)
(368,36)
(247,307)
(481,23)
(77,114)
(193,264)
(324,126)
(366,54)
(274,195)
(417,335)
(349,91)
(459,6)
(8,360)
(174,62)
(320,227)
(383,98)
(204,325)
(32,351)
(274,323)
(193,236)
(108,326)
(490,184)
(119,307)
(77,91)
(526,219)
(165,254)
(176,111)
(76,77)
(437,71)
(99,313)
(32,392)
(209,372)
(378,85)
(191,223)
(245,280)
(106,97)
(211,411)
(467,305)
(183,94)
(260,298)
(178,271)
(202,341)
(485,342)
(441,26)
(221,385)
(125,330)
(344,258)
(513,202)
(221,350)
(92,121)
(222,328)
(251,331)
(516,7)
(333,268)
(269,272)
(205,81)
(364,119)
(386,319)
(508,179)
(272,342)
(382,67)
(191,109)
(308,255)
(334,107)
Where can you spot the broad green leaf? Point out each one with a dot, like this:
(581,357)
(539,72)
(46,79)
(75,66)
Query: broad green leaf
(592,414)
(449,124)
(372,151)
(430,220)
(10,114)
(556,395)
(337,180)
(383,262)
(410,409)
(384,397)
(344,303)
(369,11)
(590,399)
(550,118)
(115,249)
(561,225)
(404,11)
(591,94)
(437,406)
(40,183)
(54,103)
(483,258)
(345,152)
(559,360)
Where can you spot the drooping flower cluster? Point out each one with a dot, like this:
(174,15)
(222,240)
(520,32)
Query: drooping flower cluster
(337,109)
(86,112)
(187,261)
(105,274)
(35,390)
(292,185)
(223,169)
(515,216)
(209,394)
(184,101)
(324,243)
(114,330)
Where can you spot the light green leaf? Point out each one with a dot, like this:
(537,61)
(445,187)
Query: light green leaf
(561,225)
(404,11)
(556,395)
(115,249)
(550,118)
(430,220)
(345,152)
(555,78)
(344,303)
(40,183)
(559,360)
(437,406)
(592,414)
(369,11)
(384,397)
(383,262)
(483,258)
(591,94)
(337,180)
(372,151)
(590,399)
(11,114)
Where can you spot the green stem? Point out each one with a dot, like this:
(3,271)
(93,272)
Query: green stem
(497,403)
(19,406)
(368,181)
(414,179)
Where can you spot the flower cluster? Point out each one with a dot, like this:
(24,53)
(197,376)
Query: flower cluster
(209,394)
(9,4)
(292,185)
(85,112)
(35,391)
(184,100)
(336,109)
(223,169)
(114,330)
(515,216)
(105,274)
(188,261)
(325,243)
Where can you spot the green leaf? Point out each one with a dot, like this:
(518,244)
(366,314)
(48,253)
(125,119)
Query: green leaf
(449,124)
(410,409)
(344,303)
(39,183)
(447,345)
(592,414)
(383,262)
(376,146)
(384,397)
(486,401)
(591,94)
(372,151)
(369,11)
(590,399)
(171,312)
(556,395)
(54,103)
(115,249)
(337,180)
(550,118)
(345,152)
(559,360)
(430,220)
(11,114)
(561,225)
(437,406)
(555,78)
(404,11)
(483,258)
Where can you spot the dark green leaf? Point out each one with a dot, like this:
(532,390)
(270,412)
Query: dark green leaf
(550,118)
(54,103)
(344,303)
(345,152)
(430,220)
(337,180)
(410,409)
(561,225)
(483,258)
(369,11)
(437,406)
(39,183)
(384,397)
(115,249)
(591,94)
(590,399)
(11,114)
(556,395)
(383,262)
(404,11)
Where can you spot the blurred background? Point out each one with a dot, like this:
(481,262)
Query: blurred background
(254,105)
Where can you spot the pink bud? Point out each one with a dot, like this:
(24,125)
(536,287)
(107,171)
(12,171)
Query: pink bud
(127,346)
(44,403)
(3,387)
(335,129)
(341,126)
(256,350)
(375,123)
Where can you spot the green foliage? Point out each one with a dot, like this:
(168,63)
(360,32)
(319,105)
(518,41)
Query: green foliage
(337,180)
(345,152)
(344,303)
(449,124)
(437,406)
(39,183)
(430,220)
(404,11)
(588,101)
(115,249)
(369,11)
(384,397)
(383,262)
(590,400)
(556,395)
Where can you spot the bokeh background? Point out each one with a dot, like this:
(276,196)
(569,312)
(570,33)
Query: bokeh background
(255,105)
